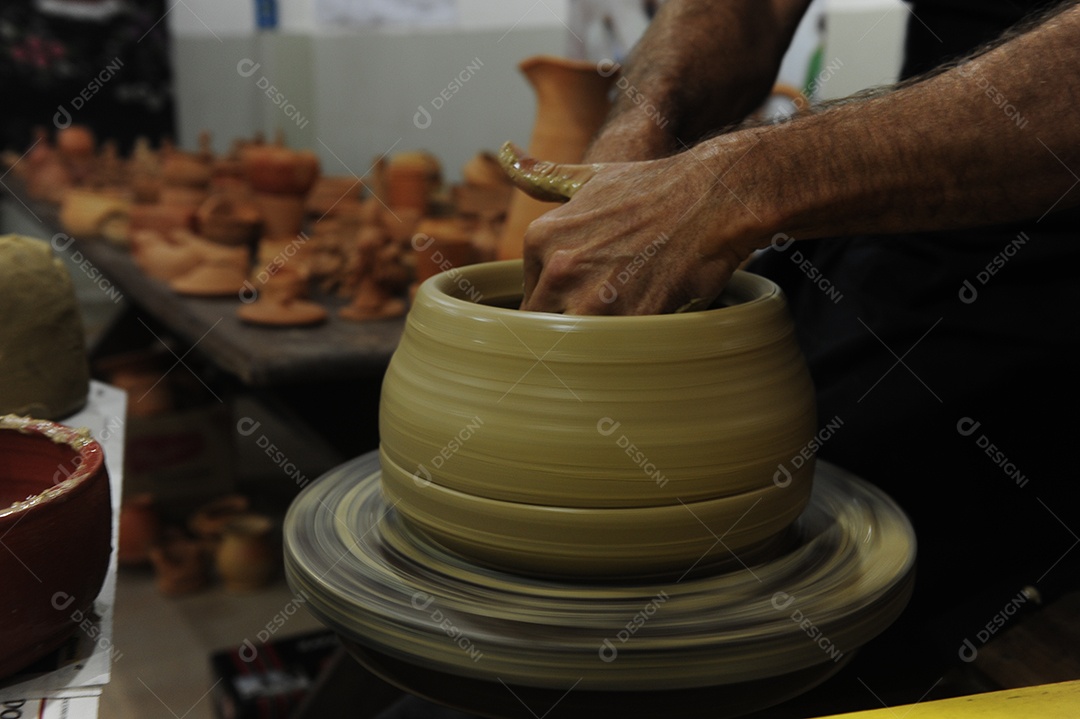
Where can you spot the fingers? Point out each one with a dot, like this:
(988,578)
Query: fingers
(545,181)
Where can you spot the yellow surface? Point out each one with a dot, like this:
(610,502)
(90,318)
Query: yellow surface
(1049,701)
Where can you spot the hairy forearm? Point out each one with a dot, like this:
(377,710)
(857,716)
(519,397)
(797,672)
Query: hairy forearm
(993,139)
(702,65)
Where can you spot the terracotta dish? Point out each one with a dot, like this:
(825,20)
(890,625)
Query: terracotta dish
(539,429)
(55,520)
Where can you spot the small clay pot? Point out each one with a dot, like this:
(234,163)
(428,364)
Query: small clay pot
(411,180)
(75,142)
(333,196)
(209,521)
(282,215)
(228,221)
(442,244)
(279,170)
(56,524)
(181,565)
(247,558)
(140,529)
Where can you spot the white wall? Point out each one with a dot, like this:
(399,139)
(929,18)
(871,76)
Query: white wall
(352,93)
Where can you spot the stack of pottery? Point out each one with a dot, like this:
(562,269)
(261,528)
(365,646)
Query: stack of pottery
(594,445)
(281,179)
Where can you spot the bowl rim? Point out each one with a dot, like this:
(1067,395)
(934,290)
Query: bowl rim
(86,448)
(440,290)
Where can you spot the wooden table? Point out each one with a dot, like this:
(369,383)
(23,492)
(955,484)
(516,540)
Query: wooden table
(257,356)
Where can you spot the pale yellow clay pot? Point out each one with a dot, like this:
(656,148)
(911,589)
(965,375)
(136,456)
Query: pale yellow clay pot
(595,444)
(571,104)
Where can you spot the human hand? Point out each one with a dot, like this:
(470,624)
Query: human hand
(637,238)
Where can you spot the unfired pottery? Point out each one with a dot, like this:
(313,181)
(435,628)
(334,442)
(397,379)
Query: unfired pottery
(526,422)
(56,524)
(571,104)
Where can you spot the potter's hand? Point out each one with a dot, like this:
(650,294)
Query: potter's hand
(637,238)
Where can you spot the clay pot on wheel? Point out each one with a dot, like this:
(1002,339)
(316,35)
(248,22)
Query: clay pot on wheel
(595,445)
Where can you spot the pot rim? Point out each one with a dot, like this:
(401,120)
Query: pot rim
(744,293)
(86,448)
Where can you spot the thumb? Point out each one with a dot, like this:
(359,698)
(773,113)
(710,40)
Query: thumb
(545,181)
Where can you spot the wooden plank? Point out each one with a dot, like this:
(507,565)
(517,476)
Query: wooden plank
(258,356)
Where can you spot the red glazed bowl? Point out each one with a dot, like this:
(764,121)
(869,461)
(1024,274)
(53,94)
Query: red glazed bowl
(55,527)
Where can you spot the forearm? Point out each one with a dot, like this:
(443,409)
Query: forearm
(992,140)
(703,65)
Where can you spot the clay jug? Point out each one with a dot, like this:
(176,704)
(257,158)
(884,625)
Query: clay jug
(571,104)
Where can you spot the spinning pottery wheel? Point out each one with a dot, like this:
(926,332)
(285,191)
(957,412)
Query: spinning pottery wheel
(630,529)
(497,643)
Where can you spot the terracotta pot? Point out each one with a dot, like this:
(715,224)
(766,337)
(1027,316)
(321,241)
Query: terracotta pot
(442,244)
(56,524)
(282,215)
(279,170)
(140,529)
(49,181)
(571,104)
(411,179)
(226,220)
(247,558)
(607,441)
(333,196)
(181,565)
(75,142)
(210,520)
